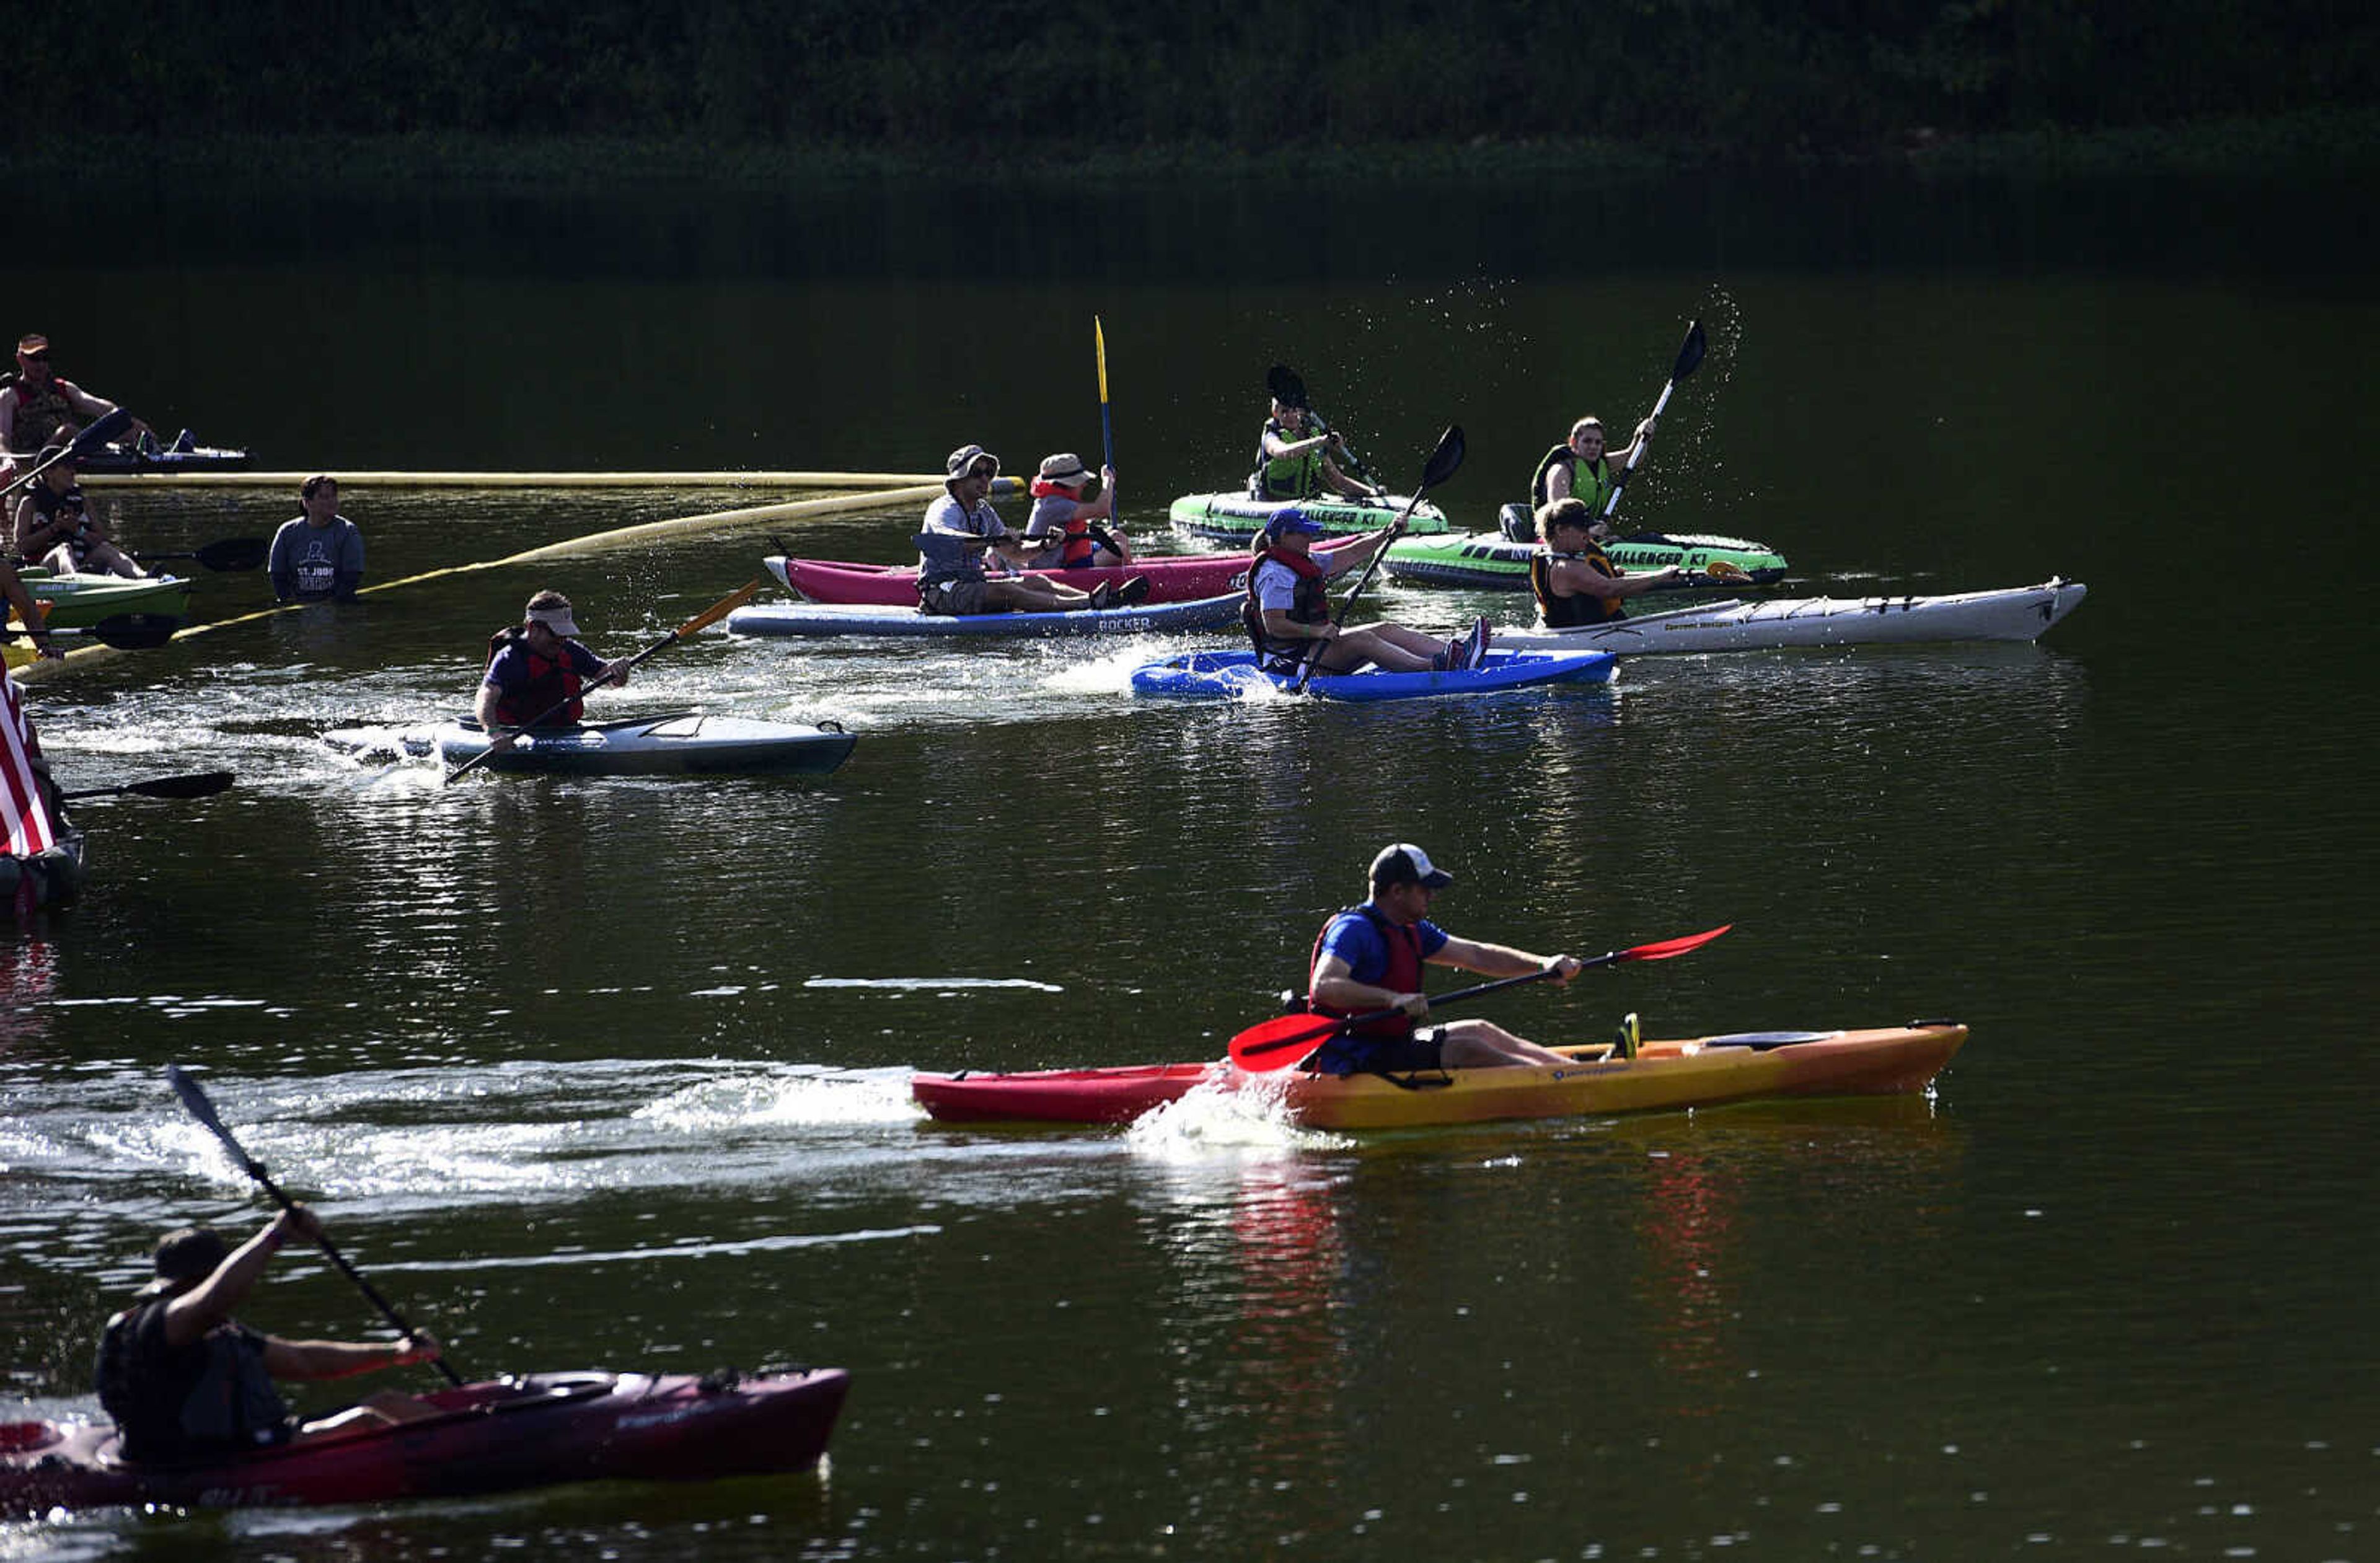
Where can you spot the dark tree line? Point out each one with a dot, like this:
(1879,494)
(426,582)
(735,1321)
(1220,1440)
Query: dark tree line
(1734,78)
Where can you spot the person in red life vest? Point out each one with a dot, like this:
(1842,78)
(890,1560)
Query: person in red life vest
(1289,609)
(35,405)
(537,665)
(1063,516)
(1369,957)
(1575,581)
(184,1379)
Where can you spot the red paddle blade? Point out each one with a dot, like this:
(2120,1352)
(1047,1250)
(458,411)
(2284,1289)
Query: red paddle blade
(1662,950)
(1282,1041)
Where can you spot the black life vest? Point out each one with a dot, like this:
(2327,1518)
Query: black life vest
(171,1403)
(549,683)
(1579,608)
(1402,973)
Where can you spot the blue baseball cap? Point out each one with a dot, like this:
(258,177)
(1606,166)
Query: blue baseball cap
(1292,518)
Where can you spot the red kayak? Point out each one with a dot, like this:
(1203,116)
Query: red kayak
(1185,578)
(1705,1072)
(514,1433)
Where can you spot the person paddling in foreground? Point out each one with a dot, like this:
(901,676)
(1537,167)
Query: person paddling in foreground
(1062,516)
(535,665)
(184,1379)
(1370,957)
(1575,581)
(961,525)
(1289,609)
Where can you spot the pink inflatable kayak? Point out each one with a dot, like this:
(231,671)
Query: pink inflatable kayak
(1171,578)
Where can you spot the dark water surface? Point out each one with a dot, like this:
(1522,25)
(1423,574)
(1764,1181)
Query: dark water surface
(615,1074)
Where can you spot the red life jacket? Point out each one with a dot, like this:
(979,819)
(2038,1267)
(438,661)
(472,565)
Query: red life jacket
(1079,546)
(1402,973)
(549,683)
(1311,606)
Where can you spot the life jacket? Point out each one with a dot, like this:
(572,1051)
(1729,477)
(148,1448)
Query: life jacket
(1580,608)
(1080,547)
(1590,482)
(1311,606)
(1401,974)
(169,1403)
(549,683)
(40,412)
(50,504)
(1291,476)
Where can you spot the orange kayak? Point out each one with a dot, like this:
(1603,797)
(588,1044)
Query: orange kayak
(1705,1072)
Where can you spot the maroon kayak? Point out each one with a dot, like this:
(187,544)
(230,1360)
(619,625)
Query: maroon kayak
(1185,578)
(514,1433)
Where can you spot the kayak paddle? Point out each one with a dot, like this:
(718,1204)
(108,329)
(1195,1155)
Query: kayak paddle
(204,1110)
(224,553)
(1690,357)
(98,434)
(198,784)
(126,632)
(1438,469)
(1282,1041)
(1290,391)
(703,620)
(1107,425)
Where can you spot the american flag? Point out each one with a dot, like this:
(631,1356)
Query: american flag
(20,795)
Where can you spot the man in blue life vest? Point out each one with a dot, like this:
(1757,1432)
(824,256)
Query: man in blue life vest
(183,1379)
(1574,580)
(537,665)
(1370,957)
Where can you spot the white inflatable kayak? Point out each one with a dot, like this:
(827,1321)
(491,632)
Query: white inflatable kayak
(2018,613)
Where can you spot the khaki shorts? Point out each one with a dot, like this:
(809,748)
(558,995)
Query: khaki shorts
(954,598)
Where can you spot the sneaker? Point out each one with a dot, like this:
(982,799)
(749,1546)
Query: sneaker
(1133,590)
(183,444)
(147,444)
(1475,645)
(1103,596)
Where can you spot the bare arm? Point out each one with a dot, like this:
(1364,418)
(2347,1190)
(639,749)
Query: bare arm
(1334,983)
(1578,576)
(344,1359)
(212,1300)
(1499,960)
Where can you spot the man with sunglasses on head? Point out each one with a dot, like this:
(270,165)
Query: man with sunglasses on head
(1370,957)
(35,403)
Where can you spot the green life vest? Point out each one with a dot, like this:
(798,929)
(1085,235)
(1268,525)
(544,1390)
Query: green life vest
(1291,476)
(1590,482)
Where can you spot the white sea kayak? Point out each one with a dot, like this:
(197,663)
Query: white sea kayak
(680,743)
(2017,614)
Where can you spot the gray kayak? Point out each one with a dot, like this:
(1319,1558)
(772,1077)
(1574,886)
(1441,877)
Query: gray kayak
(680,743)
(882,619)
(2016,613)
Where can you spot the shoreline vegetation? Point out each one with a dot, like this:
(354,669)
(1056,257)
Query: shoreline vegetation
(726,92)
(2311,145)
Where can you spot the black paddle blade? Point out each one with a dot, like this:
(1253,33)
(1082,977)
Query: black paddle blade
(1690,356)
(1286,387)
(200,784)
(1445,459)
(234,553)
(133,631)
(195,1100)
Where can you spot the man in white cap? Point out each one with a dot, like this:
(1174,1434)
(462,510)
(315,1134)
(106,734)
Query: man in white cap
(1370,957)
(960,525)
(538,664)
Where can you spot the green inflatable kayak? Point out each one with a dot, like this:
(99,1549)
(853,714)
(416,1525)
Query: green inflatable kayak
(1235,518)
(1500,561)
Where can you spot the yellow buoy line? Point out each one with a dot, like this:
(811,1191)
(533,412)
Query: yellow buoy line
(516,479)
(593,542)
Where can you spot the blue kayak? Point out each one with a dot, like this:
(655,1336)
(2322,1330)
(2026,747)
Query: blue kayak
(868,618)
(1228,674)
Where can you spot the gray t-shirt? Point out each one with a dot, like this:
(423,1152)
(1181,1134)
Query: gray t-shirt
(944,554)
(1050,513)
(310,561)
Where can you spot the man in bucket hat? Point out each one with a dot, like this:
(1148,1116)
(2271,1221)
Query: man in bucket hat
(1370,957)
(959,525)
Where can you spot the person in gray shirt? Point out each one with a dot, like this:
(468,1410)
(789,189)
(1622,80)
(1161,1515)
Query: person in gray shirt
(319,555)
(961,525)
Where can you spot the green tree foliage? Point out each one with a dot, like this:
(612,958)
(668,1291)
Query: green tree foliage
(1734,77)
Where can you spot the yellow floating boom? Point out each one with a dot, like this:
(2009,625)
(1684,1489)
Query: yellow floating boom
(519,480)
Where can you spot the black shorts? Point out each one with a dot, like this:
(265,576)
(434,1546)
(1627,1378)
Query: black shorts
(1379,1055)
